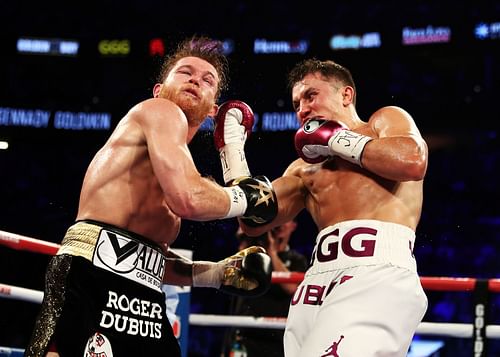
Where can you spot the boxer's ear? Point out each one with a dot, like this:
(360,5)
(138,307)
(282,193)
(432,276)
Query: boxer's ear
(157,90)
(348,95)
(213,111)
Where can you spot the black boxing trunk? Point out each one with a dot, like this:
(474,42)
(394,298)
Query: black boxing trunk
(103,297)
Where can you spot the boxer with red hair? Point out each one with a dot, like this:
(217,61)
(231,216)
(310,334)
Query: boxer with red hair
(103,292)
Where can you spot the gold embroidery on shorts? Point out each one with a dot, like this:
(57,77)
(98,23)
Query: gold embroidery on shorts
(80,240)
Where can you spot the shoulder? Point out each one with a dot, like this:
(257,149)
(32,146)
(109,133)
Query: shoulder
(295,168)
(392,121)
(150,110)
(390,114)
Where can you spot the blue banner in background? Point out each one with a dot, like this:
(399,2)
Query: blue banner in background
(178,306)
(183,315)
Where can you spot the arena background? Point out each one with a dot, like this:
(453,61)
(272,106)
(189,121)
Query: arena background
(451,87)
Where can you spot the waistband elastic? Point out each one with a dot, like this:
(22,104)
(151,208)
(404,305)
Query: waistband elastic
(117,250)
(363,242)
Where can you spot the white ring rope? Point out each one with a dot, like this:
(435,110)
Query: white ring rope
(8,351)
(425,328)
(17,293)
(237,321)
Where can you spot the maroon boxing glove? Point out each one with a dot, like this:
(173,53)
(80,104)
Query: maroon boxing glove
(315,132)
(233,125)
(319,138)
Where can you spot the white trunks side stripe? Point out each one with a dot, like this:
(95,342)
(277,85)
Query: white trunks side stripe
(362,242)
(129,258)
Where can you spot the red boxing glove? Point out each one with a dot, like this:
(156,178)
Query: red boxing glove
(233,125)
(311,140)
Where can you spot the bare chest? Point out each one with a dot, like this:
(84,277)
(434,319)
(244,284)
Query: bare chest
(339,190)
(333,178)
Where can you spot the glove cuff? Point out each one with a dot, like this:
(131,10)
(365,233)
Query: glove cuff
(207,274)
(234,162)
(237,201)
(349,145)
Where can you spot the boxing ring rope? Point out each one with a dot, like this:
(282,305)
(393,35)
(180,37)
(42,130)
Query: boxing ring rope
(429,283)
(478,330)
(460,330)
(20,242)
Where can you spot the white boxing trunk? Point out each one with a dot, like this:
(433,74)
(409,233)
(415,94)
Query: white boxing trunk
(360,297)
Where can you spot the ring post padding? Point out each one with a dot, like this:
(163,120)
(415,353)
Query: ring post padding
(480,313)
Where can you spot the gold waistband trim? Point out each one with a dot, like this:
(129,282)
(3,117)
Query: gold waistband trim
(80,240)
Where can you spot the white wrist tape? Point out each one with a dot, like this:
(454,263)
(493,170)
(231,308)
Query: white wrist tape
(234,162)
(348,145)
(237,201)
(207,274)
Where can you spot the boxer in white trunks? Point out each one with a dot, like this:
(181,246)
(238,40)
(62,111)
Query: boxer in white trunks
(362,183)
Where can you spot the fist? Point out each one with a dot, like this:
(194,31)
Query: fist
(262,204)
(247,273)
(233,123)
(311,140)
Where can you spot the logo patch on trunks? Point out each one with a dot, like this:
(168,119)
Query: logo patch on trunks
(332,350)
(129,258)
(98,345)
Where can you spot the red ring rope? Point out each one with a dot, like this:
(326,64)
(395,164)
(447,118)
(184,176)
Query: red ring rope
(16,241)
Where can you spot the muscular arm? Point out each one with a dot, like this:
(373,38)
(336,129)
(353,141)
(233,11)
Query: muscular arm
(399,152)
(186,193)
(290,193)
